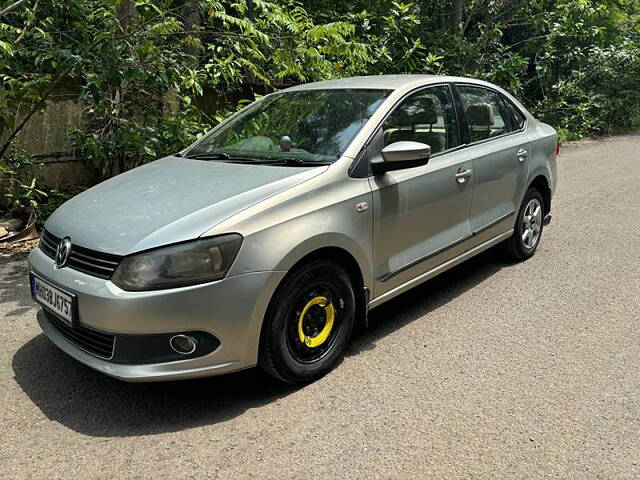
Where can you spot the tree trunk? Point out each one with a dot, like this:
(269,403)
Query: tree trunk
(192,22)
(457,13)
(127,14)
(250,78)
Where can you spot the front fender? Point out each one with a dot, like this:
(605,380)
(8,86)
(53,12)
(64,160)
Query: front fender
(332,240)
(281,246)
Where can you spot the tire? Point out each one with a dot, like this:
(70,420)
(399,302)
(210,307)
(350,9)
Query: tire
(528,229)
(308,323)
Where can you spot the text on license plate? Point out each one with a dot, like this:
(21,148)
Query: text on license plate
(53,298)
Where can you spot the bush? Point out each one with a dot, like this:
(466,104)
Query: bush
(20,190)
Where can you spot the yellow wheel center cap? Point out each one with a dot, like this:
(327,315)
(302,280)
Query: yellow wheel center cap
(320,337)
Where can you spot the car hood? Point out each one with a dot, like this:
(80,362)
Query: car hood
(167,201)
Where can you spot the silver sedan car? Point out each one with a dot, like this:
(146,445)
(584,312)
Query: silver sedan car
(268,240)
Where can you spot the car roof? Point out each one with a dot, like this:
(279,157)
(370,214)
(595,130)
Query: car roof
(382,82)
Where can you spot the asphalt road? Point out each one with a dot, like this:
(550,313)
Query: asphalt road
(491,370)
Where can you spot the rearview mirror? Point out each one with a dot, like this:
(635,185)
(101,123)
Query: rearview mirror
(399,155)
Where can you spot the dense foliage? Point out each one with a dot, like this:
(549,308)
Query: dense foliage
(143,68)
(574,63)
(152,74)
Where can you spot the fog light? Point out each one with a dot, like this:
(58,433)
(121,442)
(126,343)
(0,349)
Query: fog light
(183,344)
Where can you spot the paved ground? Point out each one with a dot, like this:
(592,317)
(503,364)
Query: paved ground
(492,370)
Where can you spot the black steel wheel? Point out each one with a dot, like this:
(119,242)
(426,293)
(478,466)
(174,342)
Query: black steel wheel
(308,323)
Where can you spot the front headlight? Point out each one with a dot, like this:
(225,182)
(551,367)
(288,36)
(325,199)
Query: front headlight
(189,263)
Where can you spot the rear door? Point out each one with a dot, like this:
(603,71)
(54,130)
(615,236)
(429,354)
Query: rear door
(500,150)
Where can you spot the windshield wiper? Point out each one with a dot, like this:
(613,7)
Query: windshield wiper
(287,161)
(290,162)
(209,156)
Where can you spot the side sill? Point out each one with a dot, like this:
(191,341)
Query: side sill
(494,223)
(406,267)
(439,269)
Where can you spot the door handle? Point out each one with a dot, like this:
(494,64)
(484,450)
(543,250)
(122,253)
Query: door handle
(522,155)
(462,174)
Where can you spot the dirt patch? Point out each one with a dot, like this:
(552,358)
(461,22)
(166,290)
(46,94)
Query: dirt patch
(16,251)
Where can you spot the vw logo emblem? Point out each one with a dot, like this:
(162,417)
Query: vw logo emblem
(63,251)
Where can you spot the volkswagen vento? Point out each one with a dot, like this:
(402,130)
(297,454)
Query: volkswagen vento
(268,240)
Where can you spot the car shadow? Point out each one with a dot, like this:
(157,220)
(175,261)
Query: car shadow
(431,295)
(93,404)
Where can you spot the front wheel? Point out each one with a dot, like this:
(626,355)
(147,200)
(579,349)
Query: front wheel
(308,323)
(528,229)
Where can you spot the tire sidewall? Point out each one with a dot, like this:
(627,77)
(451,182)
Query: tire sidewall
(294,286)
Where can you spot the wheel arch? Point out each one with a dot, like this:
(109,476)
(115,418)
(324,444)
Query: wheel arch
(343,258)
(541,183)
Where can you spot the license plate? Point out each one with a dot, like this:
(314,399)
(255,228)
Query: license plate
(59,302)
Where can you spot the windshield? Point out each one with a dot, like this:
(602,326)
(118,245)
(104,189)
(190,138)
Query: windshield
(307,125)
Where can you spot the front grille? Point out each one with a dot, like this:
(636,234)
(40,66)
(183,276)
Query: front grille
(82,259)
(97,343)
(48,244)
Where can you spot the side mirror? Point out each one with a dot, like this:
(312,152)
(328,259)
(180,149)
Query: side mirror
(399,155)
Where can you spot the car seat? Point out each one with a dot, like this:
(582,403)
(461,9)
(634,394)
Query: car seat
(480,118)
(407,124)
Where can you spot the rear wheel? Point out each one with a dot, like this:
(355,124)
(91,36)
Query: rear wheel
(528,229)
(308,323)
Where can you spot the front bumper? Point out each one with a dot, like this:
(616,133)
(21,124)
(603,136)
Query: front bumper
(231,310)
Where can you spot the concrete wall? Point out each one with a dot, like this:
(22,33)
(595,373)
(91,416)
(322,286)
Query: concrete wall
(46,135)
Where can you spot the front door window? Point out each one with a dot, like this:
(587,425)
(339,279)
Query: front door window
(427,117)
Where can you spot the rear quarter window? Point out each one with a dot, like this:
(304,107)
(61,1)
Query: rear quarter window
(516,115)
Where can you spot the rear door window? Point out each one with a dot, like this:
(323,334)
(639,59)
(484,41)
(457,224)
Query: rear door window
(486,114)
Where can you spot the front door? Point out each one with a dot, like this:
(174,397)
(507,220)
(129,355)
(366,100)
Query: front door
(420,214)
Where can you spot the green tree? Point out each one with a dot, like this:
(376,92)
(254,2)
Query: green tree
(141,66)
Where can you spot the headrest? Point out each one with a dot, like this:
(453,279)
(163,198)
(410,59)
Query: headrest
(418,111)
(480,115)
